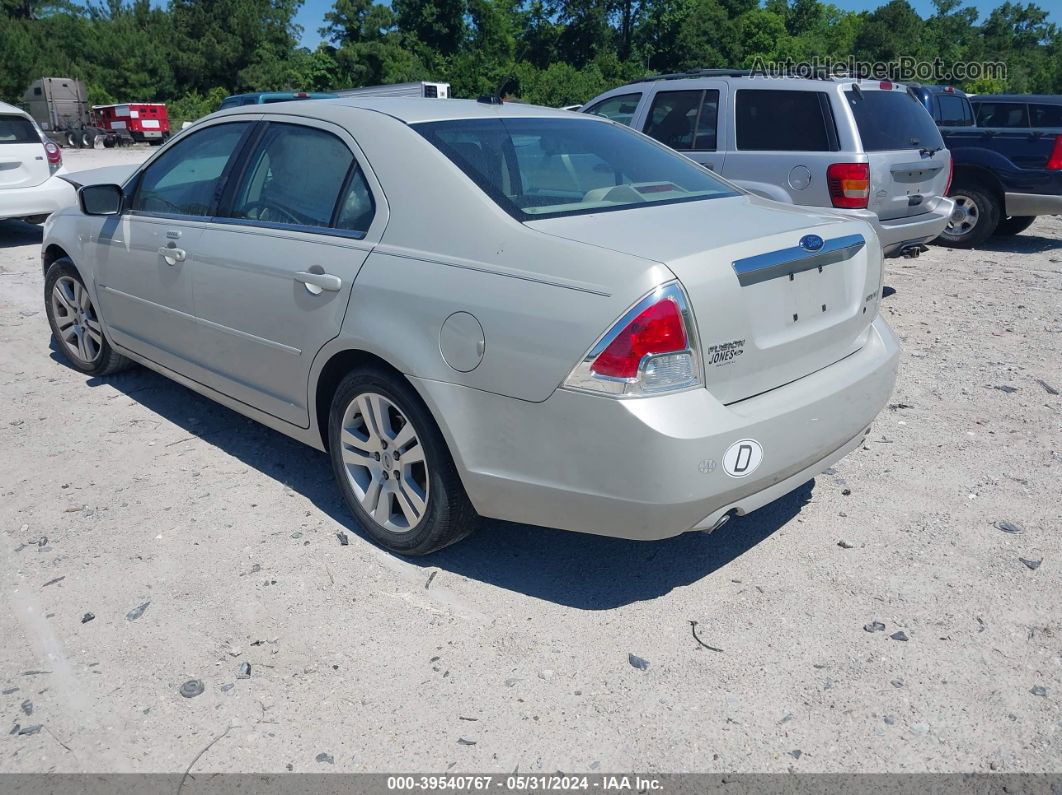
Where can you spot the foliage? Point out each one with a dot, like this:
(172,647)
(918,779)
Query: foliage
(191,53)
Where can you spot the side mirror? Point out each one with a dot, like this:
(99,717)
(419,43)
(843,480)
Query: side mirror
(100,199)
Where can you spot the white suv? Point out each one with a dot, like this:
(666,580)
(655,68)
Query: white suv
(30,186)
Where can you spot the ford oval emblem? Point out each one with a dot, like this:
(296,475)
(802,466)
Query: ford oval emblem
(811,242)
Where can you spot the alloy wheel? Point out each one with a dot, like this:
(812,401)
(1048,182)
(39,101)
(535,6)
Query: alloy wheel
(964,217)
(75,317)
(384,462)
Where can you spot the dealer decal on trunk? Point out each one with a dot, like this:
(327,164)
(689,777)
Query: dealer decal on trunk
(725,352)
(741,458)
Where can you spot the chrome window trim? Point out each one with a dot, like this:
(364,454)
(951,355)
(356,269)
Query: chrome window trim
(785,261)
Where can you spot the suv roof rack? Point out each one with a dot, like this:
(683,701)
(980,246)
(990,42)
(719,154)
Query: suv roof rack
(820,75)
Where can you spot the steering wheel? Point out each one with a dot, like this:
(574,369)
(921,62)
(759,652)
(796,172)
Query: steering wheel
(268,210)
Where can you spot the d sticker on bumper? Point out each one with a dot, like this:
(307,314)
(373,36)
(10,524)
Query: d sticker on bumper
(742,458)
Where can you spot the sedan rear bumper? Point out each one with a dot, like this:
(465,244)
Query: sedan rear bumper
(44,199)
(652,468)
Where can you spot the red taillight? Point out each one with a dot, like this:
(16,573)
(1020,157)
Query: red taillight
(54,153)
(849,185)
(1054,162)
(951,175)
(885,85)
(658,329)
(301,94)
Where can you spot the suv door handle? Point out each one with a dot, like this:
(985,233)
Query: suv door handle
(316,282)
(173,253)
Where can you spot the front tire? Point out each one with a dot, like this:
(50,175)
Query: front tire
(393,466)
(1014,225)
(76,326)
(975,218)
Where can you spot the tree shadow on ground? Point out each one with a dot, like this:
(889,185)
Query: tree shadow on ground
(576,570)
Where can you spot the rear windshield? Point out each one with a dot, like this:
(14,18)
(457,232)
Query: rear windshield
(889,120)
(545,168)
(17,130)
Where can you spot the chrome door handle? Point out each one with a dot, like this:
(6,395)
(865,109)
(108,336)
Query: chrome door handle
(173,253)
(316,282)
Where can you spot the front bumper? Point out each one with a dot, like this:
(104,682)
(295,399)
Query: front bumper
(896,234)
(44,199)
(652,468)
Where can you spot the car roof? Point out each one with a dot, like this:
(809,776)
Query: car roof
(409,110)
(5,108)
(1049,99)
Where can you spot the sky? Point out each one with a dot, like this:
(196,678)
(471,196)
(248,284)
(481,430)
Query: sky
(311,15)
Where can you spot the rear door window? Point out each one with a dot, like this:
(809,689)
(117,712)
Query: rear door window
(294,176)
(785,121)
(684,120)
(1002,114)
(17,130)
(619,108)
(187,178)
(1046,115)
(953,111)
(892,120)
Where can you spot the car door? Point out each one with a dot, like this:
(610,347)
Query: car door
(144,255)
(274,271)
(687,120)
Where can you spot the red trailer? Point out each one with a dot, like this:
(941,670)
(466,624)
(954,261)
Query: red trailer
(142,121)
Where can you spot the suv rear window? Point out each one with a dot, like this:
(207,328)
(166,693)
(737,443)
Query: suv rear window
(545,168)
(785,121)
(684,120)
(18,130)
(892,120)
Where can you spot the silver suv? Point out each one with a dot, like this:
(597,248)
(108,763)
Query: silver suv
(865,148)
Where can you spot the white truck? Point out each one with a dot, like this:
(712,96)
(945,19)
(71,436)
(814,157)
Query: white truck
(419,89)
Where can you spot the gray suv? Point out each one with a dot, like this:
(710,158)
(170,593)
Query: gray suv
(865,148)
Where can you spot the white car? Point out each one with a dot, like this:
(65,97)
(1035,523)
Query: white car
(30,165)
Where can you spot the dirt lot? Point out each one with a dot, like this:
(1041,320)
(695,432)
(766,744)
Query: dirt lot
(511,649)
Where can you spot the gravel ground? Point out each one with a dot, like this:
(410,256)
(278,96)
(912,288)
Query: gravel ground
(149,537)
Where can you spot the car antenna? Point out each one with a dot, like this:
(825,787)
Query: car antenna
(857,90)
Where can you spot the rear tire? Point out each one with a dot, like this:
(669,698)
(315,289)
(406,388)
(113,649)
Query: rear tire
(76,326)
(1014,225)
(980,211)
(88,140)
(73,141)
(375,415)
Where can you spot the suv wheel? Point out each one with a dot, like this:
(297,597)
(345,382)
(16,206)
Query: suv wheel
(75,323)
(393,466)
(974,219)
(1014,225)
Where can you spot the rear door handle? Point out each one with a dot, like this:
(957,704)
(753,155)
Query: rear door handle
(316,282)
(173,253)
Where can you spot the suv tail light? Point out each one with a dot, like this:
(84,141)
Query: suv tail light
(849,185)
(54,154)
(951,172)
(1055,161)
(651,350)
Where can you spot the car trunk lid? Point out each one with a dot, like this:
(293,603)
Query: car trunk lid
(768,310)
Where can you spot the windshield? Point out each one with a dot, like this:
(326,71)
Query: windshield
(544,168)
(889,120)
